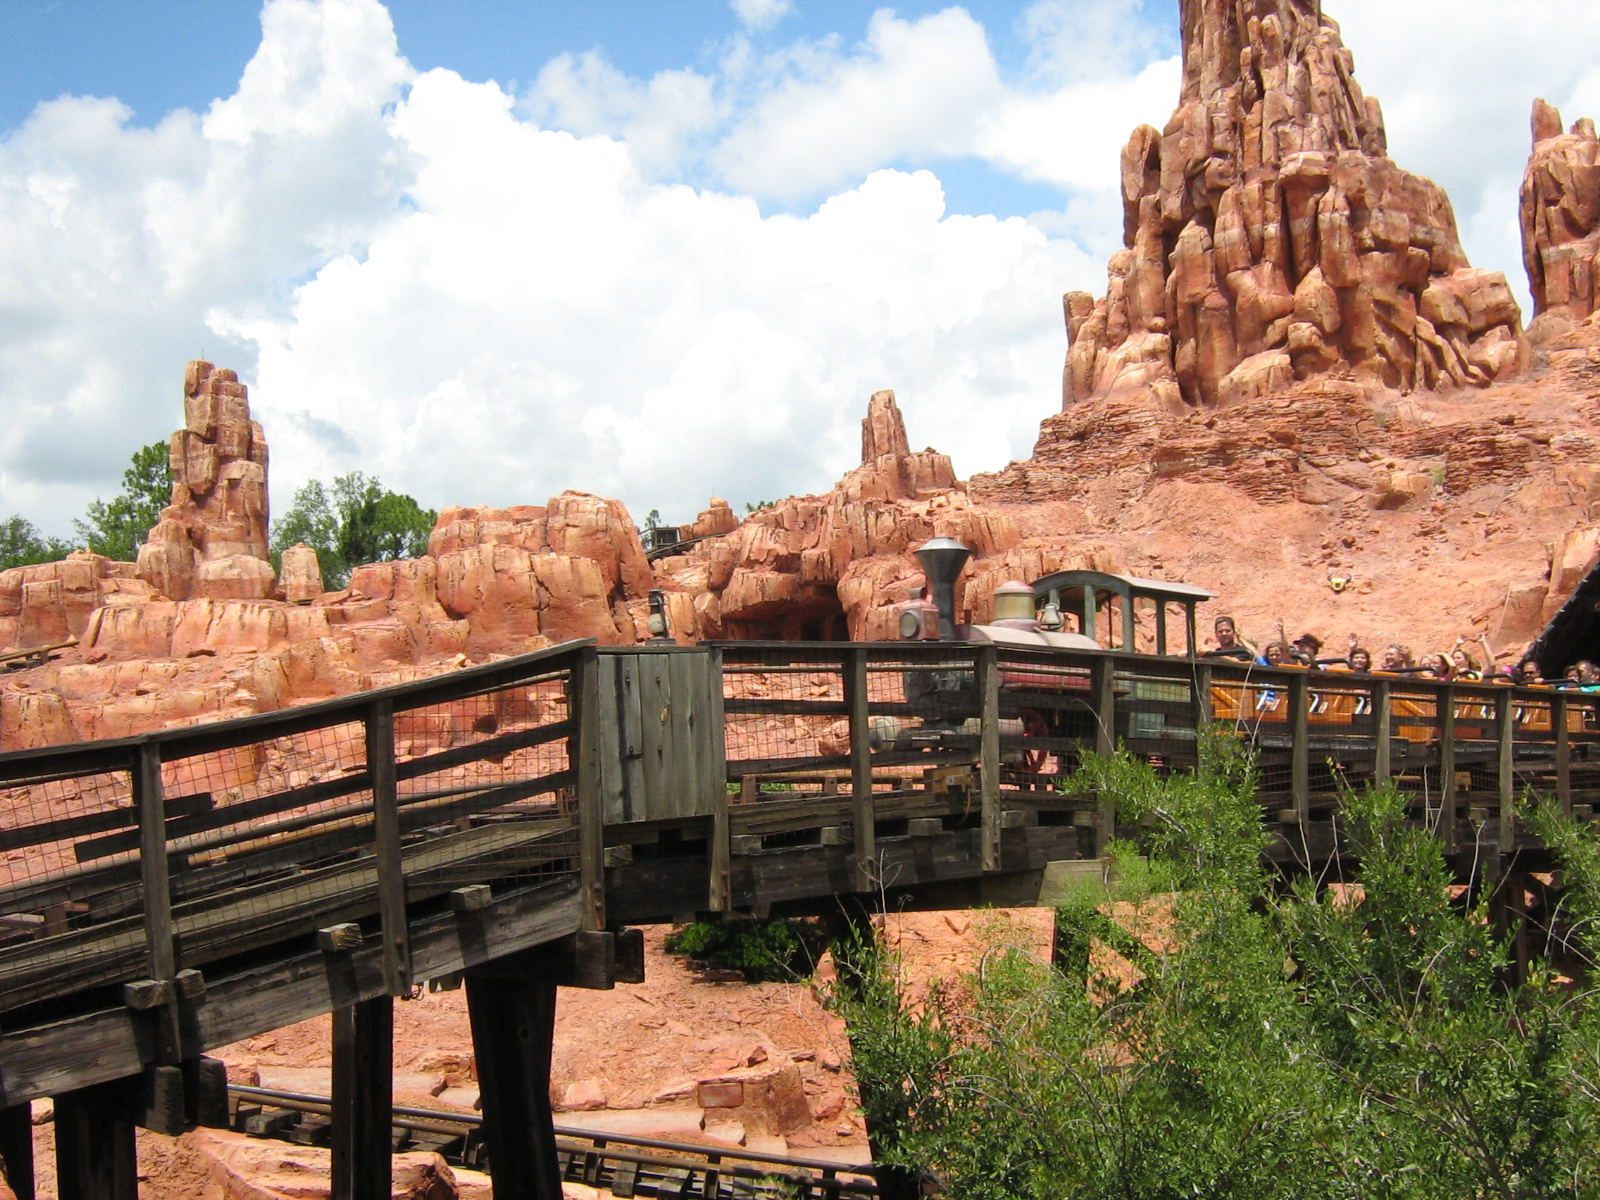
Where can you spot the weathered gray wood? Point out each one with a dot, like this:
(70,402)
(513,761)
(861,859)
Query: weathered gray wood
(1382,717)
(513,1024)
(1445,714)
(386,844)
(341,938)
(714,747)
(1103,699)
(16,1149)
(1202,687)
(1505,765)
(363,1097)
(863,814)
(471,898)
(584,691)
(1558,724)
(987,669)
(95,1157)
(161,960)
(1300,747)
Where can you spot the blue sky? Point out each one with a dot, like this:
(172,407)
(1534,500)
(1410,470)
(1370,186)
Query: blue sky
(492,250)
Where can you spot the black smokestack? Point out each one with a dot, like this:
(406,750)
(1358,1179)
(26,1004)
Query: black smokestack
(942,560)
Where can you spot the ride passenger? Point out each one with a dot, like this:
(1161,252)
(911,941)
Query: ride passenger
(1229,643)
(1275,654)
(1395,658)
(1588,676)
(1528,672)
(1305,649)
(1463,666)
(1436,666)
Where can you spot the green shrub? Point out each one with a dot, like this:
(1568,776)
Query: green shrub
(784,950)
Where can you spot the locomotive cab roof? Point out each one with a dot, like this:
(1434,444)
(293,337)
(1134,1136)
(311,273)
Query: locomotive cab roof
(1099,596)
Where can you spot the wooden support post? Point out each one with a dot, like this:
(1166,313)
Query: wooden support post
(1383,744)
(161,960)
(1445,709)
(95,1158)
(1300,748)
(1505,749)
(16,1149)
(863,814)
(583,699)
(1201,697)
(363,1099)
(721,889)
(513,1022)
(386,842)
(987,667)
(1558,723)
(1103,696)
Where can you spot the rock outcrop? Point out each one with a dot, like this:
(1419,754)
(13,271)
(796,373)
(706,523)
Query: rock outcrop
(1269,238)
(211,540)
(1561,216)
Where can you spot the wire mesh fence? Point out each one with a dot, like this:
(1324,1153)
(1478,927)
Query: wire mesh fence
(270,824)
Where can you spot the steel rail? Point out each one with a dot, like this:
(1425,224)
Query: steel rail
(735,1161)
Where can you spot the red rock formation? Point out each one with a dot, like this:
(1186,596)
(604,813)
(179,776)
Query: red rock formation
(1561,216)
(211,540)
(1270,239)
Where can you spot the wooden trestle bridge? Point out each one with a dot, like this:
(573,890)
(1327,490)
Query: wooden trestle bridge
(503,825)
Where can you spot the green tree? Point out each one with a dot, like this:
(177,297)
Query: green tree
(355,521)
(1278,1041)
(22,545)
(119,527)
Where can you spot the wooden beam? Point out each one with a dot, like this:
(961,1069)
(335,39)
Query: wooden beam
(1300,747)
(1445,711)
(363,1099)
(1558,723)
(583,697)
(1505,761)
(16,1149)
(1202,689)
(1382,714)
(1103,698)
(987,668)
(95,1157)
(513,1023)
(386,842)
(863,814)
(161,960)
(721,881)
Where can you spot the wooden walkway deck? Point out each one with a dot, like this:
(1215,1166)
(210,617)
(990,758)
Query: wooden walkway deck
(164,895)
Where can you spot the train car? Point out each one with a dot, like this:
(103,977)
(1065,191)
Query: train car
(1046,705)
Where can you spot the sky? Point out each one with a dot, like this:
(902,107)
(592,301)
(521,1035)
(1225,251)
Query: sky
(493,249)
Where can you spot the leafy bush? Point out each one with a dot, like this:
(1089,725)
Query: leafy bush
(786,949)
(1305,1041)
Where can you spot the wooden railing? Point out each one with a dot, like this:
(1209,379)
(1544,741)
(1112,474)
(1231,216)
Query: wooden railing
(129,867)
(148,858)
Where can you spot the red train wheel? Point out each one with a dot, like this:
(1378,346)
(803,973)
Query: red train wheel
(1033,726)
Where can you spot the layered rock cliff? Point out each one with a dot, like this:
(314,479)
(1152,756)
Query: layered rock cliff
(1270,239)
(1561,216)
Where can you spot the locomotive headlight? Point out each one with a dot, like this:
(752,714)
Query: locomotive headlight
(910,624)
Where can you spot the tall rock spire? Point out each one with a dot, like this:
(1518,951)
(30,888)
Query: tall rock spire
(1269,237)
(1561,216)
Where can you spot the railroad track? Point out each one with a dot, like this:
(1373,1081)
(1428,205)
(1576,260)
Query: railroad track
(627,1166)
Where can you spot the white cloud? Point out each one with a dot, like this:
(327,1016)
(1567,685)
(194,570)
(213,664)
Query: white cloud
(912,88)
(757,15)
(481,297)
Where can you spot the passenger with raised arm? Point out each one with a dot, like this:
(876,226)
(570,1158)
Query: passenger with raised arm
(1359,658)
(1229,643)
(1462,665)
(1395,658)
